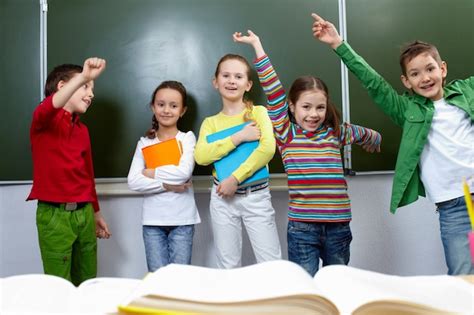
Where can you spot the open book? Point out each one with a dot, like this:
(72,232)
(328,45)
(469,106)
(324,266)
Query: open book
(282,287)
(229,163)
(162,153)
(46,294)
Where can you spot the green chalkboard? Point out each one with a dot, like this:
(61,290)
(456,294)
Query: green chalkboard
(19,84)
(148,41)
(377,30)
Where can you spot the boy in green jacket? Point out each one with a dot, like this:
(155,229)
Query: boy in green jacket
(436,150)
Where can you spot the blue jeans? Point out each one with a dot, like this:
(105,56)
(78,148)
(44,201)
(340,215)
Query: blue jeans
(307,242)
(454,226)
(167,244)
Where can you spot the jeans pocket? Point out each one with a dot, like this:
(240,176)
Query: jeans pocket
(450,203)
(297,226)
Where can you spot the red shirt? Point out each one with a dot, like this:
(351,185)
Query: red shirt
(62,157)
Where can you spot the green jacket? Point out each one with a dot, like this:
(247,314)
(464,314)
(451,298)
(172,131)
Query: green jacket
(414,114)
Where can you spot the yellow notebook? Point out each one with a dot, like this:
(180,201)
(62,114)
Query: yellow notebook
(163,153)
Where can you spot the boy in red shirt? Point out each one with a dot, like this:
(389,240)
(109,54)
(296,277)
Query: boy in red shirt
(67,217)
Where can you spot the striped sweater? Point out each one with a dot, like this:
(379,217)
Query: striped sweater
(312,160)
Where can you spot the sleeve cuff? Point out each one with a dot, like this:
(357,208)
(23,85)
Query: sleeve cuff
(257,60)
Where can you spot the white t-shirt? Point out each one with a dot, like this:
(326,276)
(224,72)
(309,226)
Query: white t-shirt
(448,155)
(162,207)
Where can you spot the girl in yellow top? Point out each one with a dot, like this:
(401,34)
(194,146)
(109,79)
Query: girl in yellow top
(230,205)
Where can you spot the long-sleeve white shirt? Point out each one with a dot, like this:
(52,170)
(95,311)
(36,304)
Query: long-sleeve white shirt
(162,207)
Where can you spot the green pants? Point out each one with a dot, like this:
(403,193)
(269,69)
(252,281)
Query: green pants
(67,241)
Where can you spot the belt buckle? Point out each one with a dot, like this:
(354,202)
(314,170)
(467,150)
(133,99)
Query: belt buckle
(70,206)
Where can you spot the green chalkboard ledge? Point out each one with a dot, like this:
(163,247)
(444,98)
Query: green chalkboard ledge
(201,183)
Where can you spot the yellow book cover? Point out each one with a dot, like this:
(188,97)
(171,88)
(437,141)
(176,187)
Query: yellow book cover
(162,153)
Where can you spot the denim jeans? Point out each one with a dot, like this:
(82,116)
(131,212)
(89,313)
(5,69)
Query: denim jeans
(454,226)
(167,244)
(308,242)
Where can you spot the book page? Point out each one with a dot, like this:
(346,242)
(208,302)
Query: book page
(36,294)
(103,295)
(350,288)
(260,281)
(46,294)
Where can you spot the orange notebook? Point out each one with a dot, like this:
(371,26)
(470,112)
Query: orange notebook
(163,153)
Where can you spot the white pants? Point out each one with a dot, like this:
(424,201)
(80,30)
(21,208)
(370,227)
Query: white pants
(256,211)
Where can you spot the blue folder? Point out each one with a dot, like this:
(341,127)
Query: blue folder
(229,163)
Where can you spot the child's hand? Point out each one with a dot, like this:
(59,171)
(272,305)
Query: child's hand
(325,31)
(93,67)
(178,188)
(101,228)
(371,148)
(227,187)
(250,132)
(373,145)
(251,39)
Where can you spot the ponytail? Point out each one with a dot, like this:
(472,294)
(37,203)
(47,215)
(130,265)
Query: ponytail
(248,110)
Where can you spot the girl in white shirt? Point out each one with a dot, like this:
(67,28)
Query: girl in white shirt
(169,209)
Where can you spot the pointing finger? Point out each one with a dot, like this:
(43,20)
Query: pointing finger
(317,18)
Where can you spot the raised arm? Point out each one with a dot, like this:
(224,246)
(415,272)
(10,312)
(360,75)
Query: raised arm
(46,111)
(382,93)
(276,97)
(92,68)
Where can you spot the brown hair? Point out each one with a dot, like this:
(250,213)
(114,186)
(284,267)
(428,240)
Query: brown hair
(174,85)
(310,83)
(60,73)
(413,49)
(248,103)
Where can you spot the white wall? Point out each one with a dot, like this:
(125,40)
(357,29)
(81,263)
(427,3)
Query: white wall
(407,243)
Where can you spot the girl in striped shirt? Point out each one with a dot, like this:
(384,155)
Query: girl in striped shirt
(309,137)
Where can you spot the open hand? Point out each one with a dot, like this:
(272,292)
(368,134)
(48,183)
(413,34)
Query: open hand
(250,39)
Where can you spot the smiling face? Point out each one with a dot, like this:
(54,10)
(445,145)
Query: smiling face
(310,110)
(81,99)
(232,80)
(425,76)
(168,107)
